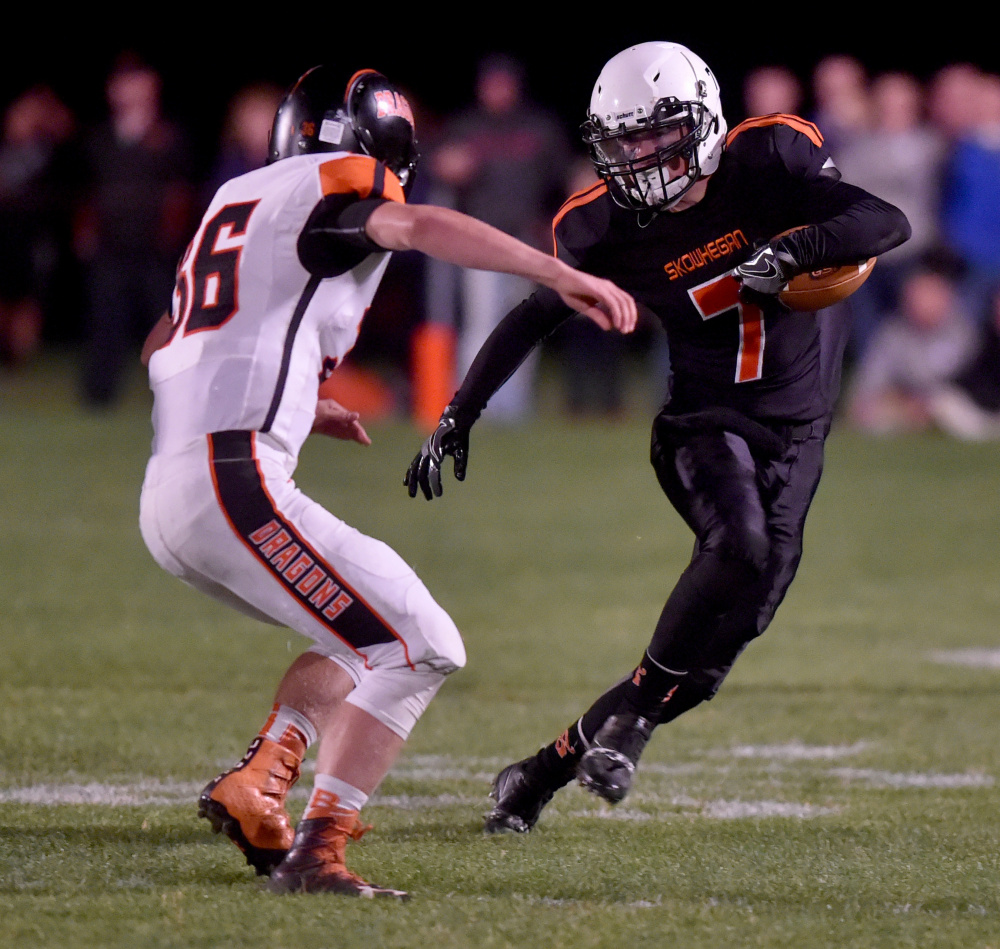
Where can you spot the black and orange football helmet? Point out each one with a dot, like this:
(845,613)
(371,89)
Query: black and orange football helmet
(371,117)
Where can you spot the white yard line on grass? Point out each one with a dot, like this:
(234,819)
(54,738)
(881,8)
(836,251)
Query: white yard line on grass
(423,802)
(918,779)
(145,793)
(977,658)
(715,810)
(431,769)
(137,794)
(793,751)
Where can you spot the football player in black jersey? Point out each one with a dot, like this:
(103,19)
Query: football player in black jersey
(687,217)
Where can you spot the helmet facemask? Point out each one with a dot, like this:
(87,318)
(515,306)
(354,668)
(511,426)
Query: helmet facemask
(650,162)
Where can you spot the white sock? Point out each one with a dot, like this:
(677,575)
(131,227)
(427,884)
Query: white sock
(331,795)
(284,717)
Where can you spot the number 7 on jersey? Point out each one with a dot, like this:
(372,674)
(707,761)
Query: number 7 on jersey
(720,295)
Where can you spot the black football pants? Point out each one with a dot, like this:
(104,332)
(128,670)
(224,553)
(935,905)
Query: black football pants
(747,514)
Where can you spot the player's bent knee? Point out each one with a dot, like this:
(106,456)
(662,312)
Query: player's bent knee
(445,650)
(748,547)
(438,643)
(450,655)
(396,697)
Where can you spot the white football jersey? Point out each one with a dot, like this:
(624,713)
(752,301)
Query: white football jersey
(254,331)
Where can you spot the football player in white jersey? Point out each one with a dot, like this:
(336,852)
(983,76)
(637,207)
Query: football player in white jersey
(269,299)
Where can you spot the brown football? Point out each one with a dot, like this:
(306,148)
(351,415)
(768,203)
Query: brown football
(822,288)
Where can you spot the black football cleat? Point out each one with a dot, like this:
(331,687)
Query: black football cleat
(519,798)
(607,767)
(315,862)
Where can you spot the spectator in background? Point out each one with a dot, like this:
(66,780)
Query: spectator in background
(243,144)
(969,408)
(136,217)
(771,89)
(841,102)
(899,155)
(35,190)
(504,162)
(918,349)
(970,214)
(951,100)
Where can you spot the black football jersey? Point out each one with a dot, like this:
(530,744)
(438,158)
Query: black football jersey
(775,174)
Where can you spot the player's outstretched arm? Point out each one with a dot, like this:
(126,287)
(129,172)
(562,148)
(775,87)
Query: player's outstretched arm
(512,339)
(459,239)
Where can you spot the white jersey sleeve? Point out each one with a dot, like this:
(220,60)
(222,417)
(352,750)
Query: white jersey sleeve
(253,330)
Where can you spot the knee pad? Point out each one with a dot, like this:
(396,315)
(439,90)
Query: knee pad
(393,689)
(395,682)
(754,547)
(396,697)
(436,643)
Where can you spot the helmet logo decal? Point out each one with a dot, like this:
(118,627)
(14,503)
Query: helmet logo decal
(308,129)
(391,103)
(331,132)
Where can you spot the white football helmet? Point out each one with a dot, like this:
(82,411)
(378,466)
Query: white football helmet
(655,125)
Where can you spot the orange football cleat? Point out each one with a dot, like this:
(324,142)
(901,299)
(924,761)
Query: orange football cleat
(316,861)
(247,803)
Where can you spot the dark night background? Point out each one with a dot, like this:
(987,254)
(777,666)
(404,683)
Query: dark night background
(207,54)
(205,58)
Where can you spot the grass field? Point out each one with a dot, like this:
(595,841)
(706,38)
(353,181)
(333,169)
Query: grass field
(840,791)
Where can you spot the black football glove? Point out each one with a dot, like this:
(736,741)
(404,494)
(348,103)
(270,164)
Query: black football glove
(449,438)
(765,274)
(767,270)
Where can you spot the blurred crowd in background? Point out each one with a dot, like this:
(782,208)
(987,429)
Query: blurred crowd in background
(95,215)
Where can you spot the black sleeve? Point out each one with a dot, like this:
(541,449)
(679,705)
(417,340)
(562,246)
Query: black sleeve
(852,225)
(847,224)
(508,345)
(334,239)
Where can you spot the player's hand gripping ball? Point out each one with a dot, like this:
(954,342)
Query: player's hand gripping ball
(817,289)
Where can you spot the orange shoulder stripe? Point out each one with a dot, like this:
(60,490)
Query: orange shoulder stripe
(761,121)
(580,198)
(355,174)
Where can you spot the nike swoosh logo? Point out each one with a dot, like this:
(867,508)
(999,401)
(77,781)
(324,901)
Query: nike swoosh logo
(760,268)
